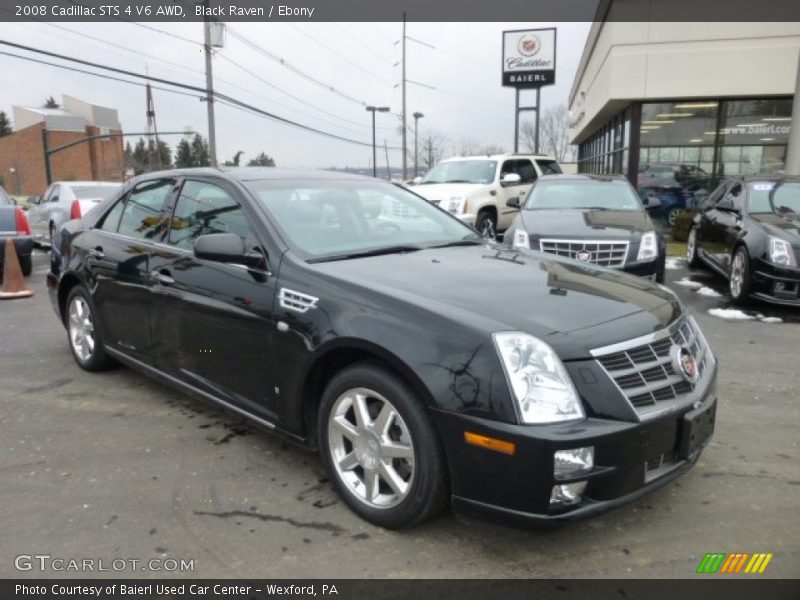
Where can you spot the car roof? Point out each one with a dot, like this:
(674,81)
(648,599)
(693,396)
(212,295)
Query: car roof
(582,177)
(261,173)
(497,157)
(767,177)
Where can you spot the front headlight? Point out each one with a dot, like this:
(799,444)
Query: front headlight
(457,205)
(543,390)
(520,239)
(648,246)
(781,252)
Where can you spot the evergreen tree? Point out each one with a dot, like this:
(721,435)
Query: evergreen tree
(183,154)
(235,161)
(262,160)
(141,158)
(5,124)
(51,103)
(200,157)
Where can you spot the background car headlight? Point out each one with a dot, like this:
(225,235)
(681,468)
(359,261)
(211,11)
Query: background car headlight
(539,382)
(781,253)
(648,246)
(457,205)
(520,239)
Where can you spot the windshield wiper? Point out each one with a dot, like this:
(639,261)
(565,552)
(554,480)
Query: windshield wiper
(454,243)
(458,181)
(363,253)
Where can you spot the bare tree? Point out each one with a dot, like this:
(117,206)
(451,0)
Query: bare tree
(553,134)
(432,148)
(471,147)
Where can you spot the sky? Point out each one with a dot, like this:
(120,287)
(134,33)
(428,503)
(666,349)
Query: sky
(357,59)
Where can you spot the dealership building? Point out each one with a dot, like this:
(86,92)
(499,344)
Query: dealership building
(681,105)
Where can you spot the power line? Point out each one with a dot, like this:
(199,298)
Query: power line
(218,95)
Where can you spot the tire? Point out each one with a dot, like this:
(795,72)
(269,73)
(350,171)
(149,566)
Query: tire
(661,270)
(486,224)
(85,339)
(52,234)
(739,276)
(692,260)
(672,216)
(26,264)
(409,486)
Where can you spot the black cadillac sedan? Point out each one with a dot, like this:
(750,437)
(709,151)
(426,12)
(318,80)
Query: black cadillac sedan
(343,313)
(749,232)
(596,219)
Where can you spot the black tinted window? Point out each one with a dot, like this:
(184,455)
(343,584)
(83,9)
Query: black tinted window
(522,167)
(205,208)
(142,215)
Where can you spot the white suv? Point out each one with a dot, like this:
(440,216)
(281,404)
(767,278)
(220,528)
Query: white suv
(476,188)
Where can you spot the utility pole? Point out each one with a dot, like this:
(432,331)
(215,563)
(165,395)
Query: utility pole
(212,136)
(405,157)
(373,110)
(386,150)
(417,117)
(152,131)
(793,153)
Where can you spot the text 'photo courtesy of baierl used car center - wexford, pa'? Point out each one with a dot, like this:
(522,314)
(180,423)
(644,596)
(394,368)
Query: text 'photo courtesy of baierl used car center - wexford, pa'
(401,298)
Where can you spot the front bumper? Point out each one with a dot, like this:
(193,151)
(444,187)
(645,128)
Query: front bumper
(648,269)
(775,284)
(630,460)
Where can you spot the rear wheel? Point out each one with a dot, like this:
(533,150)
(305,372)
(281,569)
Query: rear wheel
(380,448)
(486,224)
(26,264)
(85,338)
(739,277)
(673,215)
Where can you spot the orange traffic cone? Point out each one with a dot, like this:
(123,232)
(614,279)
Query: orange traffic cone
(13,280)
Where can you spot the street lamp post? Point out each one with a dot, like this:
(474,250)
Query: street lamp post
(417,117)
(374,109)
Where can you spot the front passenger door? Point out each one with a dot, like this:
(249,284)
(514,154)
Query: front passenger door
(724,226)
(527,173)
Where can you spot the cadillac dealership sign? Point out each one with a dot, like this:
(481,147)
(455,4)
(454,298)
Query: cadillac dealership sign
(529,57)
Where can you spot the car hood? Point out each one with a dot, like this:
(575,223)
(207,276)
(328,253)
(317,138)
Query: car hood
(786,226)
(444,191)
(586,224)
(573,307)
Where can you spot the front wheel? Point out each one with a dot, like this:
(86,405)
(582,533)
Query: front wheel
(380,448)
(486,225)
(739,278)
(85,338)
(673,215)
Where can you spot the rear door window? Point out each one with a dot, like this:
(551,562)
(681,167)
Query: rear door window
(548,167)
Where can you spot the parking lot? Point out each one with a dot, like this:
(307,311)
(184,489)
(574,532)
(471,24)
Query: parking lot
(113,465)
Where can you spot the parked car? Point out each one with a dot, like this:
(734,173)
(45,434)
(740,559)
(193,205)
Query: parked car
(596,219)
(476,188)
(278,295)
(749,232)
(678,188)
(65,200)
(14,225)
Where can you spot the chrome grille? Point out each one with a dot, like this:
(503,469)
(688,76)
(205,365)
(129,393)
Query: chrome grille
(602,253)
(644,371)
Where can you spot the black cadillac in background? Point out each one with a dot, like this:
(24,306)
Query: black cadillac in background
(749,232)
(597,219)
(425,364)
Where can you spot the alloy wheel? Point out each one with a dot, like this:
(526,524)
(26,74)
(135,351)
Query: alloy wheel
(690,245)
(737,275)
(81,328)
(371,448)
(487,229)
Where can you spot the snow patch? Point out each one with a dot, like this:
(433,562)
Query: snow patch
(707,291)
(770,320)
(674,263)
(686,282)
(731,314)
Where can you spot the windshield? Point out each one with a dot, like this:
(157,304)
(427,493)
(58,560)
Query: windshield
(590,193)
(785,197)
(339,218)
(462,171)
(94,192)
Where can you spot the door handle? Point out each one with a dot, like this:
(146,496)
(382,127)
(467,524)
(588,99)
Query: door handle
(162,276)
(97,252)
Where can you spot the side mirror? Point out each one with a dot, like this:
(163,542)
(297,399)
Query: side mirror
(513,202)
(227,248)
(510,179)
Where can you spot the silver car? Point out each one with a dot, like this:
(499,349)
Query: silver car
(63,201)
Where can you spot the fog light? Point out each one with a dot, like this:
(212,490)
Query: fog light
(566,494)
(572,462)
(780,286)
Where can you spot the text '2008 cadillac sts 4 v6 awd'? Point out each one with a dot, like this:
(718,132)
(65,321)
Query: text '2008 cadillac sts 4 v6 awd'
(424,363)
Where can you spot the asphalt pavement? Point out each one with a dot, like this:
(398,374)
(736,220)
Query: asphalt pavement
(115,466)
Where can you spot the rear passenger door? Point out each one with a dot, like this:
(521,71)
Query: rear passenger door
(213,323)
(117,255)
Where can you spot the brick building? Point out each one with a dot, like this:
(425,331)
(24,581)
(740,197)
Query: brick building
(22,165)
